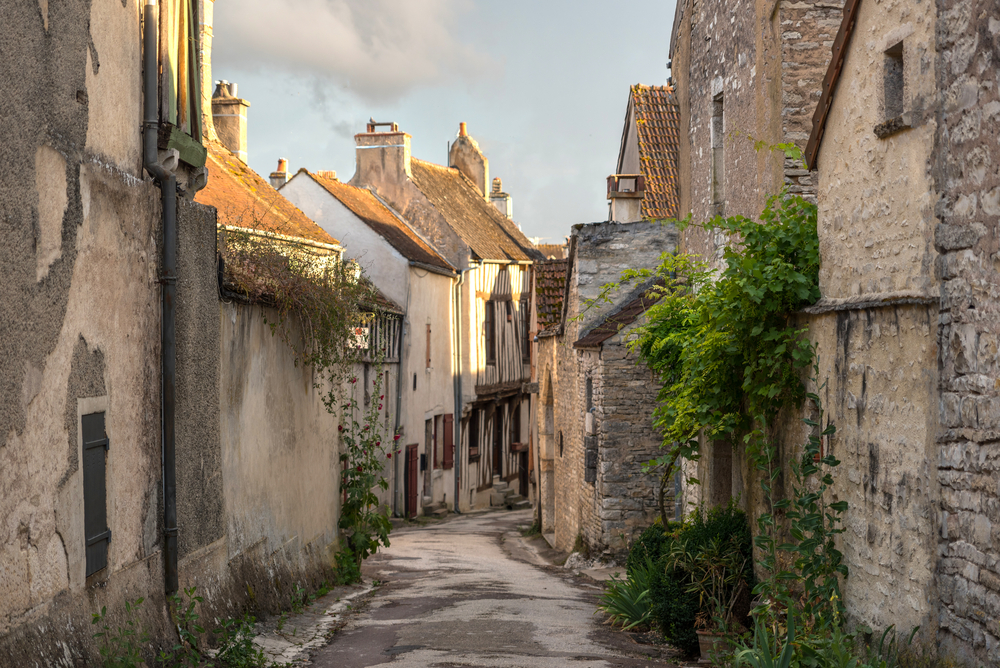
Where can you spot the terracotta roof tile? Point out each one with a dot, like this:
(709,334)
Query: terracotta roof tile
(657,121)
(550,282)
(490,234)
(625,315)
(370,209)
(244,199)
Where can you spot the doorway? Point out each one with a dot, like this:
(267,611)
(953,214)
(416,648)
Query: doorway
(410,480)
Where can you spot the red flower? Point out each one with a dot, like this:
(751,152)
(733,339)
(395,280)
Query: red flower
(359,469)
(388,455)
(354,380)
(378,443)
(340,427)
(381,396)
(396,437)
(380,406)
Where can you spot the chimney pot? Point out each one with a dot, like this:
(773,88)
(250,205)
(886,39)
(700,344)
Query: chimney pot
(327,174)
(462,130)
(283,165)
(279,177)
(497,185)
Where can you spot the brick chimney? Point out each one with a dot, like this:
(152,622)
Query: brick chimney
(279,177)
(500,199)
(468,159)
(229,113)
(382,154)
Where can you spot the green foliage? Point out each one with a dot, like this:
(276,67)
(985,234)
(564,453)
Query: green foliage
(236,647)
(298,601)
(187,652)
(368,447)
(627,601)
(716,572)
(121,647)
(673,596)
(722,343)
(766,651)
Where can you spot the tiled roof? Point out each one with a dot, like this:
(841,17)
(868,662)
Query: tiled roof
(366,206)
(490,234)
(657,122)
(550,282)
(246,200)
(621,317)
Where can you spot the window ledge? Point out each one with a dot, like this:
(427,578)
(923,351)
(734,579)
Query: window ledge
(892,126)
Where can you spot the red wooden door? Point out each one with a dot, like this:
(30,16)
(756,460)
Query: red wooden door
(410,480)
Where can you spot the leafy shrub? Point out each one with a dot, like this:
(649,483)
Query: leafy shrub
(626,601)
(674,607)
(121,647)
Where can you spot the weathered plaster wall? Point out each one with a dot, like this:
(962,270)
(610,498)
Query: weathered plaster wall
(80,321)
(280,467)
(967,171)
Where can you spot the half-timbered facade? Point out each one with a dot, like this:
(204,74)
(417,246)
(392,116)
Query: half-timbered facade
(493,323)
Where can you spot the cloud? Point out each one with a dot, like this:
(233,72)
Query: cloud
(377,49)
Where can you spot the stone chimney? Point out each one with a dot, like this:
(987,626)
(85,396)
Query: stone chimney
(206,10)
(468,159)
(500,199)
(229,114)
(383,156)
(279,177)
(625,193)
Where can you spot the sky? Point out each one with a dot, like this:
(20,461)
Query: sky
(542,84)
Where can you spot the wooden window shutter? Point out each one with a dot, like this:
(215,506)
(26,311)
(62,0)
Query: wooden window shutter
(449,441)
(95,506)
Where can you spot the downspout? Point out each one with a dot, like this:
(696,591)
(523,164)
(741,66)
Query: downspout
(456,423)
(168,369)
(399,395)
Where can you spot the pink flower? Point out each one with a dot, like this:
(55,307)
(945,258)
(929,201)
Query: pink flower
(354,380)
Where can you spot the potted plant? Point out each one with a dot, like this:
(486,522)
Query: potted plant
(715,571)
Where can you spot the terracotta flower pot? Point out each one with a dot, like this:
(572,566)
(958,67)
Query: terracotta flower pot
(711,643)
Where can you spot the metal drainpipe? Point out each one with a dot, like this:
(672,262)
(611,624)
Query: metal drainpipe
(457,421)
(399,396)
(167,182)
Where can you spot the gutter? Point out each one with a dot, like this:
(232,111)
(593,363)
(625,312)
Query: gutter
(434,270)
(167,183)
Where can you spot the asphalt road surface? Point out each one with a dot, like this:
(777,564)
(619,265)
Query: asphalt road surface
(471,592)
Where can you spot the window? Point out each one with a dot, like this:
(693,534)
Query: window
(489,332)
(95,506)
(893,82)
(414,382)
(515,425)
(474,434)
(525,332)
(718,155)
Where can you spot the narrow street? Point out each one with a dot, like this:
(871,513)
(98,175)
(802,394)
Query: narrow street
(472,592)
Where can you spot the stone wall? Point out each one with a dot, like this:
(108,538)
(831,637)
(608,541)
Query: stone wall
(966,167)
(627,497)
(619,501)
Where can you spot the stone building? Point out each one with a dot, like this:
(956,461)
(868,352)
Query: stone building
(596,399)
(403,266)
(493,368)
(902,163)
(905,143)
(84,328)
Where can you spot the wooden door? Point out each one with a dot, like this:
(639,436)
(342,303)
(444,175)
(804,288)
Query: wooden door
(410,480)
(498,442)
